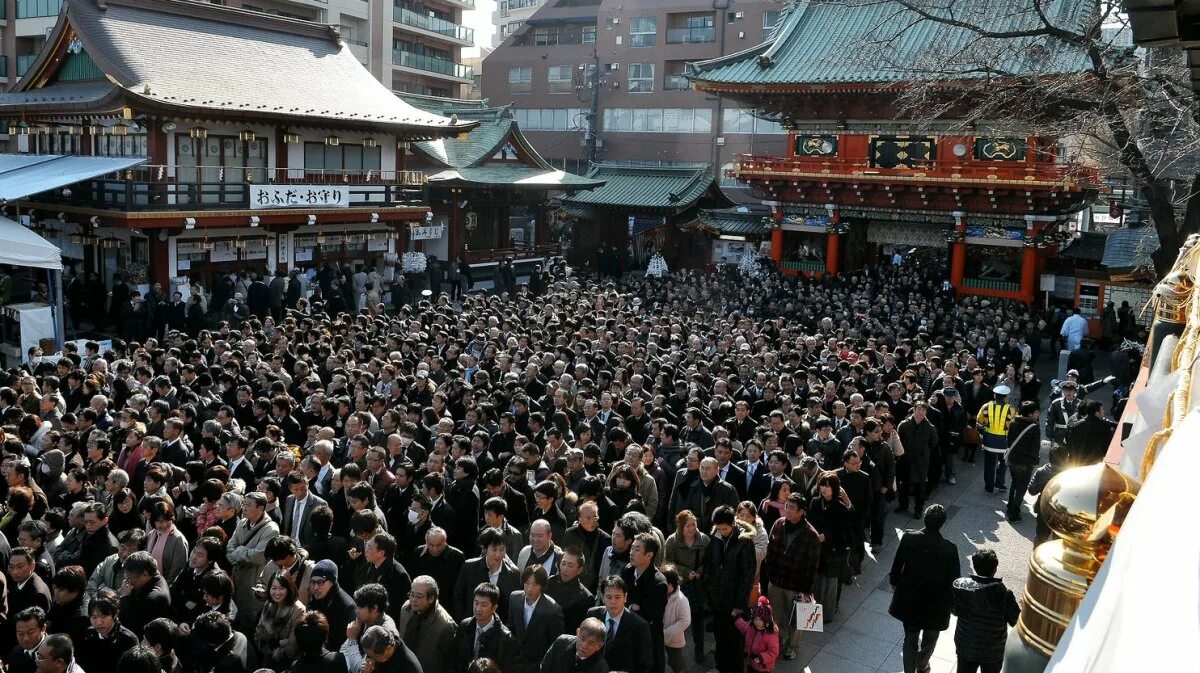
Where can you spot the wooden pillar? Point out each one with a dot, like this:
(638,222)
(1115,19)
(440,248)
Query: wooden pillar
(777,235)
(958,252)
(1029,266)
(833,244)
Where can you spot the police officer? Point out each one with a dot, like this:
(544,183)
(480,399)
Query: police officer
(993,419)
(1062,410)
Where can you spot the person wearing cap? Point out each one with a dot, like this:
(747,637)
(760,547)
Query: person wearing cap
(328,597)
(1062,410)
(994,419)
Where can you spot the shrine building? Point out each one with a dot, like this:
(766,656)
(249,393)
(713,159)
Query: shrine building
(253,141)
(865,178)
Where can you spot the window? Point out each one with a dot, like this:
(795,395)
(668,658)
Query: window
(673,79)
(549,119)
(559,79)
(520,79)
(690,28)
(658,120)
(589,35)
(641,77)
(643,31)
(342,157)
(770,20)
(737,120)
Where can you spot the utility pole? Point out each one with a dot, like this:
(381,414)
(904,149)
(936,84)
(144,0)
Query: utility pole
(593,83)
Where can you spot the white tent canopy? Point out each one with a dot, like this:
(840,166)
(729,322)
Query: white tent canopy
(22,247)
(25,174)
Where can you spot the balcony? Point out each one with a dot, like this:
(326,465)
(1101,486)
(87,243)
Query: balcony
(32,9)
(464,4)
(526,252)
(143,190)
(432,25)
(437,66)
(1042,175)
(676,83)
(23,63)
(691,35)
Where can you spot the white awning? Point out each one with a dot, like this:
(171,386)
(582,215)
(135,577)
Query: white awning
(22,247)
(24,174)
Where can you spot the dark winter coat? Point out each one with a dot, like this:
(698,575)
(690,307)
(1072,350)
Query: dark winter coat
(985,609)
(729,569)
(923,572)
(920,441)
(792,567)
(1028,450)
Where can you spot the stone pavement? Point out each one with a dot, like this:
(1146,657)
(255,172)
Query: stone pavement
(864,638)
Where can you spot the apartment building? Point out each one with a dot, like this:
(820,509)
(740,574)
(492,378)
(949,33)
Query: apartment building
(510,15)
(647,112)
(412,46)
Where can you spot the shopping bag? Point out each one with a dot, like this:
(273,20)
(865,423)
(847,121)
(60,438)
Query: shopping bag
(808,616)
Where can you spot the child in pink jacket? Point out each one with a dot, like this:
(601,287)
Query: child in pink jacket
(762,637)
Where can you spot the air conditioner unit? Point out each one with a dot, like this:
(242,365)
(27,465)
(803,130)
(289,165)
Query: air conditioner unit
(619,39)
(614,66)
(741,34)
(616,20)
(739,15)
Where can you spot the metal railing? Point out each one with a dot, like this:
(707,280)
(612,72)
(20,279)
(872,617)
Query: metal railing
(498,254)
(23,63)
(691,35)
(433,24)
(753,166)
(441,66)
(32,9)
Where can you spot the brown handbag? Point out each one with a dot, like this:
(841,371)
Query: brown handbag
(971,435)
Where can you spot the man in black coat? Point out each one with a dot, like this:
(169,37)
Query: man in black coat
(25,590)
(483,634)
(331,600)
(627,636)
(98,542)
(440,561)
(568,591)
(647,591)
(383,568)
(922,576)
(985,609)
(535,619)
(222,650)
(387,652)
(580,653)
(479,570)
(146,595)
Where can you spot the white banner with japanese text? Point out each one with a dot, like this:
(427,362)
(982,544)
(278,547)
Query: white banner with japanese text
(298,196)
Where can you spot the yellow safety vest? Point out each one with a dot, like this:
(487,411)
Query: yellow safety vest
(997,418)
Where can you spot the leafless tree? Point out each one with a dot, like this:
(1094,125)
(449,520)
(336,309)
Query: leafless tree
(1058,68)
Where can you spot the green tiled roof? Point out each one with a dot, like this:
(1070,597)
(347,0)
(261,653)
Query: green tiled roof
(515,175)
(666,188)
(878,41)
(735,223)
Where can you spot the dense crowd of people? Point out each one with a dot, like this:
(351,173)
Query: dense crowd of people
(577,477)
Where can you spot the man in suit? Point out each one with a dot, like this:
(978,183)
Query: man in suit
(31,632)
(294,521)
(647,591)
(483,633)
(492,561)
(922,579)
(383,568)
(174,449)
(628,643)
(728,470)
(580,653)
(239,465)
(535,619)
(25,589)
(758,476)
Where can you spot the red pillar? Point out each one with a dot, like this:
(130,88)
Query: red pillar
(958,255)
(777,236)
(833,243)
(1029,270)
